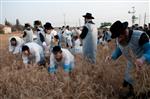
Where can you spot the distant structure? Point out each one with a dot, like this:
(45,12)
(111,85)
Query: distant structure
(64,19)
(7,29)
(145,18)
(133,15)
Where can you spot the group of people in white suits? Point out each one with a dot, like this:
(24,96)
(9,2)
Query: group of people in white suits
(44,41)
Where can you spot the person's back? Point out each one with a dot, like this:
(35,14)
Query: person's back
(77,42)
(77,47)
(67,34)
(92,33)
(68,58)
(48,39)
(134,44)
(53,33)
(89,38)
(68,38)
(40,36)
(90,42)
(67,54)
(34,47)
(28,35)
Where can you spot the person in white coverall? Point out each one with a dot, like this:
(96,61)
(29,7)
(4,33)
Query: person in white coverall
(89,38)
(50,33)
(39,31)
(28,33)
(68,37)
(61,58)
(33,54)
(15,44)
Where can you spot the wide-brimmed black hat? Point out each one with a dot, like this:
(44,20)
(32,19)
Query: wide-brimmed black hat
(27,25)
(88,16)
(48,26)
(37,22)
(117,27)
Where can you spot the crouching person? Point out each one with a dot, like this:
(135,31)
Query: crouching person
(135,46)
(15,44)
(61,58)
(33,54)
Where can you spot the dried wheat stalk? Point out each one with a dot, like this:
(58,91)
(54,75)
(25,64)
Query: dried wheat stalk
(141,80)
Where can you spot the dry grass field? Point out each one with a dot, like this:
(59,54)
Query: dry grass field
(100,81)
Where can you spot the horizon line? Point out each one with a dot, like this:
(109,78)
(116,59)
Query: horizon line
(75,1)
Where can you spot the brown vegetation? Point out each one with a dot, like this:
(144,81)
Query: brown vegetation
(100,81)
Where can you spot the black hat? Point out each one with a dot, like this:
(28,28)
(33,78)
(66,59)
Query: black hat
(67,27)
(48,26)
(37,22)
(88,16)
(27,25)
(117,27)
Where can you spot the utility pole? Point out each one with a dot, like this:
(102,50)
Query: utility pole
(145,18)
(64,19)
(133,16)
(139,19)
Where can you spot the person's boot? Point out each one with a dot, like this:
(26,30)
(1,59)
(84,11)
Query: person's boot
(126,91)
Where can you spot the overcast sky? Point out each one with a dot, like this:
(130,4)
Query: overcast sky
(54,11)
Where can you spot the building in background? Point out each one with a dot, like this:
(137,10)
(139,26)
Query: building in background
(7,29)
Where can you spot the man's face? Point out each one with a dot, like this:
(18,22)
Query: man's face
(26,53)
(124,37)
(13,43)
(36,26)
(47,31)
(58,56)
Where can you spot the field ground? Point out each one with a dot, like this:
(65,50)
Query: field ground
(100,81)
